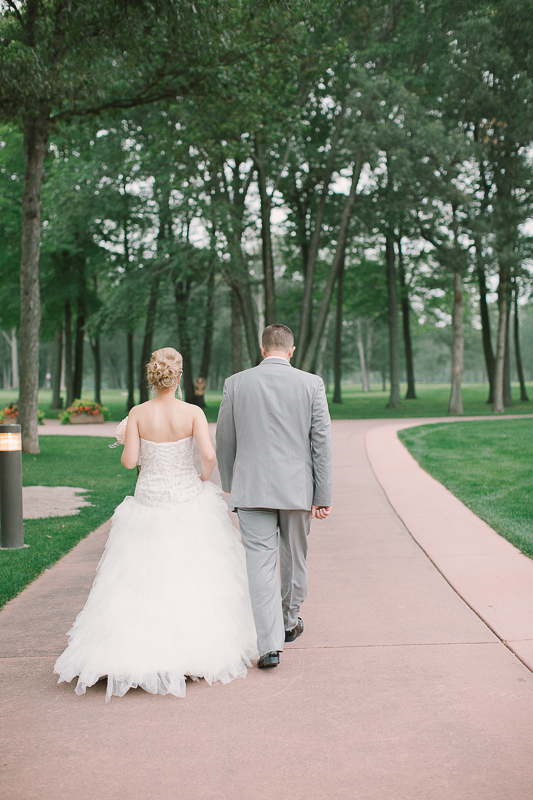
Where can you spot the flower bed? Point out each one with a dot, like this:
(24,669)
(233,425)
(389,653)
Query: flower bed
(9,415)
(85,419)
(83,412)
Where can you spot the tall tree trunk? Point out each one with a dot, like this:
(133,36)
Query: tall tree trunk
(236,334)
(319,368)
(95,347)
(242,290)
(15,382)
(301,213)
(485,319)
(266,234)
(337,358)
(369,343)
(146,348)
(248,313)
(237,277)
(503,309)
(392,304)
(362,358)
(69,382)
(486,184)
(164,233)
(181,293)
(130,370)
(57,401)
(130,344)
(312,348)
(507,397)
(516,330)
(11,339)
(35,145)
(209,324)
(456,401)
(406,311)
(312,251)
(209,327)
(78,350)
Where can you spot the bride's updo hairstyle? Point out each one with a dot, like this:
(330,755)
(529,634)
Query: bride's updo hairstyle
(164,368)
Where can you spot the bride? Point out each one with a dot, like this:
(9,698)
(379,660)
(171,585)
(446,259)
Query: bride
(170,599)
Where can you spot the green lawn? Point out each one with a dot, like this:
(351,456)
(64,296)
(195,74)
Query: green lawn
(432,402)
(488,466)
(86,462)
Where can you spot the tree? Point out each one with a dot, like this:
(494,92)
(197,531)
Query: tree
(11,175)
(56,60)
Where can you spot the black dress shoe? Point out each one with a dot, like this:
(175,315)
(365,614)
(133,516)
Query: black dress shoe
(293,634)
(269,660)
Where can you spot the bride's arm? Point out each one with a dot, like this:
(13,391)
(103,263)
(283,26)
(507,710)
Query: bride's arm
(130,454)
(200,431)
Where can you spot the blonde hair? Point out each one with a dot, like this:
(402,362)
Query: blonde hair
(164,368)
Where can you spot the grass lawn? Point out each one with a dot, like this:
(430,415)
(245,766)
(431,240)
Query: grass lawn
(432,402)
(86,462)
(488,466)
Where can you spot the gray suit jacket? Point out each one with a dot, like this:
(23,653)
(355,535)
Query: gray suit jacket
(273,438)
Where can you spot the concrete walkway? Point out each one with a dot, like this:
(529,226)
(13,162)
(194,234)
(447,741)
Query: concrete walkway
(401,687)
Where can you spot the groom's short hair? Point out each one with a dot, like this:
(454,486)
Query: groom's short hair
(277,337)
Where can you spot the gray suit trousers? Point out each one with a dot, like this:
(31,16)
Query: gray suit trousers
(262,531)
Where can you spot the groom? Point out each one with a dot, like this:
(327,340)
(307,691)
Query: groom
(274,456)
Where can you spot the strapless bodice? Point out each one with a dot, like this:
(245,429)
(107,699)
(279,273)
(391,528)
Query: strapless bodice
(168,474)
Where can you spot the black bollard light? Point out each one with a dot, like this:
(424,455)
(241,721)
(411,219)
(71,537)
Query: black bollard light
(11,531)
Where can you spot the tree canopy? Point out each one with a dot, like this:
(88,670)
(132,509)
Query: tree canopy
(359,170)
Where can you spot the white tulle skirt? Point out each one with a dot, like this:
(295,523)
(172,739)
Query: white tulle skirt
(170,600)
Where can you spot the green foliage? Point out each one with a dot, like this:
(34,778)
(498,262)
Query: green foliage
(9,415)
(84,407)
(162,123)
(79,59)
(11,173)
(487,466)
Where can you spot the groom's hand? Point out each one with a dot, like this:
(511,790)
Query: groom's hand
(320,512)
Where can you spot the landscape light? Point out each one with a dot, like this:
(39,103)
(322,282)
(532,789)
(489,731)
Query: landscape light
(10,440)
(11,530)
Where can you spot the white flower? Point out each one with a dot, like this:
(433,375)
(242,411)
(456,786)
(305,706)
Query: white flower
(120,433)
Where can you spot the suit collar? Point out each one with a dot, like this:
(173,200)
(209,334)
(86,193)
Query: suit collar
(275,360)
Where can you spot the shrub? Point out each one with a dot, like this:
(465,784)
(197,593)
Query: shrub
(87,407)
(9,415)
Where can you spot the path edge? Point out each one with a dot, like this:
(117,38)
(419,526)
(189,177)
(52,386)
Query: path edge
(487,572)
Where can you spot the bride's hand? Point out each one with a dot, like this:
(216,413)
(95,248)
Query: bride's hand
(202,477)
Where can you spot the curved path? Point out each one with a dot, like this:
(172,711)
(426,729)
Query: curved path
(403,686)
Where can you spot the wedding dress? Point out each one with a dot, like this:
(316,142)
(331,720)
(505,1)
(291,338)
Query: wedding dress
(170,598)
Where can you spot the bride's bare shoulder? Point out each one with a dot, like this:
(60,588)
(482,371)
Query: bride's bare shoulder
(139,410)
(191,409)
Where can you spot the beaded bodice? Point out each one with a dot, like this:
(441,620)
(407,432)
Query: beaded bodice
(167,474)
